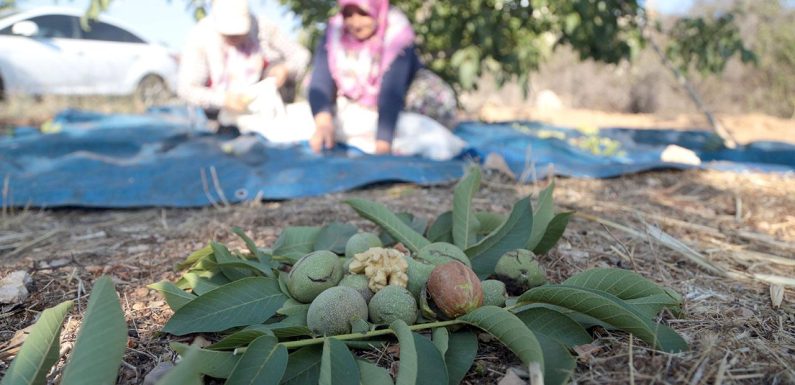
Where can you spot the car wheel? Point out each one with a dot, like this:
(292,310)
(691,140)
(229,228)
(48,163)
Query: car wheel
(152,90)
(2,91)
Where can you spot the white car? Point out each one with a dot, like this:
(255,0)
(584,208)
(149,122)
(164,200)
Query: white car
(47,51)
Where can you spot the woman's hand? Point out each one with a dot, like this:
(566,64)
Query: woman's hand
(236,102)
(279,73)
(323,138)
(382,147)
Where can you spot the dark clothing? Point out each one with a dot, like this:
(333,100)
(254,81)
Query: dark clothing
(391,99)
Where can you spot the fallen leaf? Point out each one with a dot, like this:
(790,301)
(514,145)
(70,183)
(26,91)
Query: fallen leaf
(496,162)
(586,352)
(141,292)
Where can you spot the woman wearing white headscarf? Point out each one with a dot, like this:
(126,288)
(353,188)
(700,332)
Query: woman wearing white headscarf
(229,51)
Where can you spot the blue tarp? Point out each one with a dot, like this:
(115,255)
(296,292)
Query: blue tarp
(162,159)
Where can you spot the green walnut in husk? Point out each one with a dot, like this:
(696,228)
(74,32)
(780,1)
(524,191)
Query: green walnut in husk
(418,274)
(393,303)
(427,259)
(520,271)
(359,283)
(494,293)
(332,312)
(455,289)
(361,242)
(442,252)
(312,274)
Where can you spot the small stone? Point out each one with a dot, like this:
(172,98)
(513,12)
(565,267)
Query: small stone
(157,373)
(54,264)
(13,287)
(511,378)
(141,292)
(137,249)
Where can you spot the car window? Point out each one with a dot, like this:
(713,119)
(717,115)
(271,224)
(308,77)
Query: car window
(3,15)
(56,26)
(106,32)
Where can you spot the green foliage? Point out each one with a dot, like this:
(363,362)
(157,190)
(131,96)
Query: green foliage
(97,353)
(303,366)
(210,362)
(462,347)
(100,345)
(541,327)
(189,370)
(552,323)
(509,329)
(558,362)
(264,362)
(706,45)
(543,214)
(553,232)
(465,223)
(512,234)
(40,350)
(243,302)
(295,242)
(522,228)
(242,337)
(334,236)
(7,4)
(442,228)
(623,284)
(605,307)
(259,320)
(420,361)
(416,223)
(372,374)
(256,253)
(175,297)
(388,221)
(337,365)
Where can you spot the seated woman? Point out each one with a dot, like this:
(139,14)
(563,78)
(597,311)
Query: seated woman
(365,69)
(226,57)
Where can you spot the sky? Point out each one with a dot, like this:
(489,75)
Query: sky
(168,21)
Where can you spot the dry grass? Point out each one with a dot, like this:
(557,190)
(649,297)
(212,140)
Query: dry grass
(741,223)
(22,110)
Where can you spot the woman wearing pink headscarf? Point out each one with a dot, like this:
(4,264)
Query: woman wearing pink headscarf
(366,66)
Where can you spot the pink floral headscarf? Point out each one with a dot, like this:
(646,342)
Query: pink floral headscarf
(359,66)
